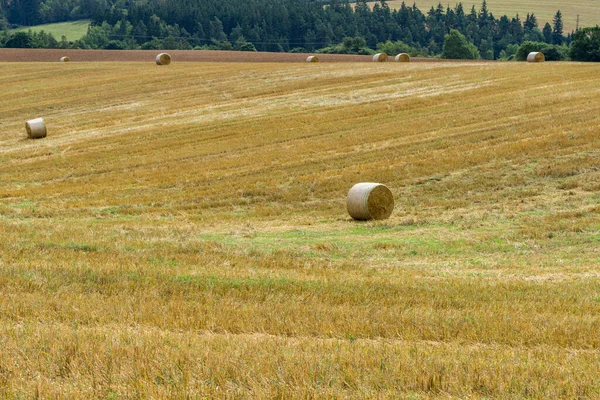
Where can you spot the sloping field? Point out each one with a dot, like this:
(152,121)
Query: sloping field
(182,230)
(544,10)
(73,30)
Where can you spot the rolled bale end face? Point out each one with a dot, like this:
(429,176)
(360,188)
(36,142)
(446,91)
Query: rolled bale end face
(402,57)
(65,59)
(369,200)
(380,57)
(312,59)
(536,57)
(163,59)
(36,128)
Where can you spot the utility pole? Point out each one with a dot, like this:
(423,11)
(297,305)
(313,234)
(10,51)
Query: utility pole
(577,24)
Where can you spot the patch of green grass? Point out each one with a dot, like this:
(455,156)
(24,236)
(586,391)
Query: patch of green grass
(217,282)
(381,240)
(72,30)
(162,261)
(24,204)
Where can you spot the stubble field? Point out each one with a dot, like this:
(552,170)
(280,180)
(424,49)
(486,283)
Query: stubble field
(182,231)
(544,10)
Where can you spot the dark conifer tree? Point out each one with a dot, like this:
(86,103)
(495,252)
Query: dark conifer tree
(516,29)
(460,17)
(483,13)
(557,30)
(530,22)
(547,32)
(450,18)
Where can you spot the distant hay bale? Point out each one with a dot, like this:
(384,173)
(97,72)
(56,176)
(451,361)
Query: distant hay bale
(368,200)
(402,57)
(536,56)
(36,128)
(312,59)
(163,59)
(65,59)
(380,57)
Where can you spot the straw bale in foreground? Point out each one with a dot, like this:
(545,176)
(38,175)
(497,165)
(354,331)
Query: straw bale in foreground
(368,200)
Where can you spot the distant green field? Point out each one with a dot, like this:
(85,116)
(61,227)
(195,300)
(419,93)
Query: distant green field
(544,10)
(73,30)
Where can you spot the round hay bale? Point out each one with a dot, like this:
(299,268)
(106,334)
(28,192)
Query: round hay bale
(312,59)
(368,200)
(402,57)
(536,56)
(380,57)
(65,59)
(163,59)
(36,128)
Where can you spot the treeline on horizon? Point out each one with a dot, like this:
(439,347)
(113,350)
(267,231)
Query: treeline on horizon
(336,26)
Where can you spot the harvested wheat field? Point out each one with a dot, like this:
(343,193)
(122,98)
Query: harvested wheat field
(587,11)
(183,230)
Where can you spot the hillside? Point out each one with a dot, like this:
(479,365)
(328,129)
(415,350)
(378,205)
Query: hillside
(182,229)
(285,26)
(73,30)
(544,10)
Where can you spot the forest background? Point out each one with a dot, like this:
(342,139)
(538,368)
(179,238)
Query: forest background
(285,26)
